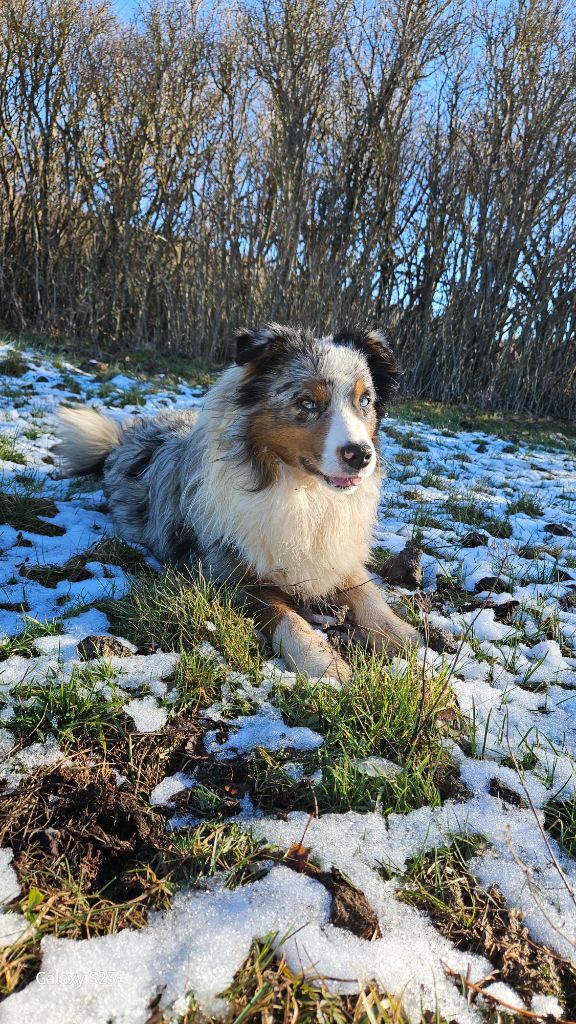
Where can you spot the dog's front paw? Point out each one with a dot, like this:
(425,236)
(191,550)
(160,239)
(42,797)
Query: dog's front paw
(387,637)
(320,664)
(306,652)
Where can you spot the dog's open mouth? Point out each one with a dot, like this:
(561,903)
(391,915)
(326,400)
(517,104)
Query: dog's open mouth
(341,483)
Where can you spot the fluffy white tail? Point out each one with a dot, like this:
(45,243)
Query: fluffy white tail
(87,438)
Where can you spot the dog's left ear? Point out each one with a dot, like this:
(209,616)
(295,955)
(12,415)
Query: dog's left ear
(381,362)
(253,344)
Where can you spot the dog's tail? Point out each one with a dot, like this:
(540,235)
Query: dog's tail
(87,438)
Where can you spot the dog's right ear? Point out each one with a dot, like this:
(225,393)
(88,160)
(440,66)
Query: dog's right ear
(251,344)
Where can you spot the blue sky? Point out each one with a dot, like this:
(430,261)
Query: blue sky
(124,8)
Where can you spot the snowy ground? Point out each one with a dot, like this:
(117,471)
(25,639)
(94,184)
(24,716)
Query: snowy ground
(497,524)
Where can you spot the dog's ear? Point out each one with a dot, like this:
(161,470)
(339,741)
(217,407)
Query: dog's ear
(253,344)
(381,361)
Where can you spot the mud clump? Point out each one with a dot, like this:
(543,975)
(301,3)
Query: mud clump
(403,569)
(503,792)
(350,908)
(96,646)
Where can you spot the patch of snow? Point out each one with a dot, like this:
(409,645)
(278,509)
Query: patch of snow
(146,714)
(169,786)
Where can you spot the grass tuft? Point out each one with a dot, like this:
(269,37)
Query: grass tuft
(23,512)
(9,450)
(266,990)
(528,504)
(13,364)
(477,920)
(73,709)
(180,611)
(23,643)
(560,820)
(378,714)
(469,510)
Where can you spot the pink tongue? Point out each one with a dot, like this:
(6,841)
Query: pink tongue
(345,481)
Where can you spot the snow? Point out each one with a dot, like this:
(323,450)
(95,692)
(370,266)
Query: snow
(169,786)
(513,676)
(546,1006)
(9,887)
(146,714)
(250,731)
(200,943)
(35,755)
(12,925)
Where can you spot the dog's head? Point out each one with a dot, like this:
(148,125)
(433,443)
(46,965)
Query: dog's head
(315,403)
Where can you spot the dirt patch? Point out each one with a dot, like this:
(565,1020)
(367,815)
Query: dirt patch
(22,513)
(475,539)
(558,530)
(51,575)
(494,584)
(450,785)
(441,640)
(82,815)
(15,606)
(503,792)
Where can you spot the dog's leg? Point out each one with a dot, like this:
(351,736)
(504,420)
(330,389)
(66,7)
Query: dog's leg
(293,638)
(375,620)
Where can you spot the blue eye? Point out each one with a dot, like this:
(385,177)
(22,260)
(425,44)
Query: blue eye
(365,401)
(308,404)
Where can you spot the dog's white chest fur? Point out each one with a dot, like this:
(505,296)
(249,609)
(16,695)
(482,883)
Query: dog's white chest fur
(296,534)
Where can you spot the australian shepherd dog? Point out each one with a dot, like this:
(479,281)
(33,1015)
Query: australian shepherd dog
(273,485)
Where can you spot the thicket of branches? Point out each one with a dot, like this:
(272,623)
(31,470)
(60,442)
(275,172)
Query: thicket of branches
(410,162)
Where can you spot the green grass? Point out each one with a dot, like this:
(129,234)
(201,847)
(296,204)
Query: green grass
(108,551)
(515,427)
(217,847)
(32,433)
(472,511)
(71,709)
(178,611)
(23,512)
(23,643)
(526,503)
(9,450)
(406,438)
(139,363)
(13,364)
(198,681)
(376,715)
(560,819)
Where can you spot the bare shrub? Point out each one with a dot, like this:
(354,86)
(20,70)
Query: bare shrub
(399,162)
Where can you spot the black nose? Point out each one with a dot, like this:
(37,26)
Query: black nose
(356,456)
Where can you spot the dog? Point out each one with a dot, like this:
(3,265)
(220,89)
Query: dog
(274,485)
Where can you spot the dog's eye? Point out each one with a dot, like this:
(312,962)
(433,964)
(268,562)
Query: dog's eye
(365,401)
(308,404)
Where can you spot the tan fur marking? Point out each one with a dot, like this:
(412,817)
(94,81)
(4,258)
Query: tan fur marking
(287,441)
(319,391)
(369,413)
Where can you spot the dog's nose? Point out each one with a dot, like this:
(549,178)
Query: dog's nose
(356,456)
